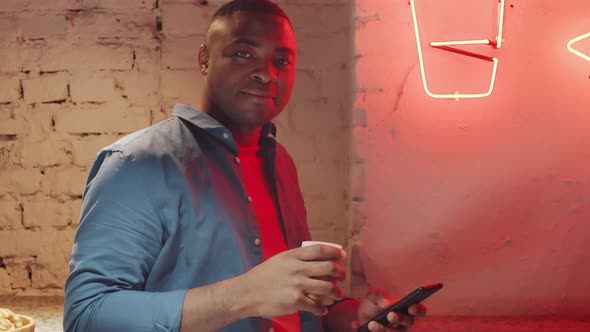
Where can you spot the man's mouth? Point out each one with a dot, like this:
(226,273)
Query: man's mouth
(258,93)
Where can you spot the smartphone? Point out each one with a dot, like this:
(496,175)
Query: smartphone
(417,296)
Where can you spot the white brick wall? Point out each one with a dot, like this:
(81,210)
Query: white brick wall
(42,26)
(181,53)
(77,75)
(46,88)
(46,212)
(86,57)
(10,214)
(107,118)
(20,181)
(89,88)
(9,89)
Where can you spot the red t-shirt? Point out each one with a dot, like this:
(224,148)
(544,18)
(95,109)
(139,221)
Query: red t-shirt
(259,188)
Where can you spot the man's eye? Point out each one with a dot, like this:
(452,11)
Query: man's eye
(243,54)
(283,62)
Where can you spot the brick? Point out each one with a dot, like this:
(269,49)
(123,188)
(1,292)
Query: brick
(5,279)
(9,89)
(89,58)
(50,269)
(88,4)
(323,51)
(76,209)
(84,149)
(42,26)
(53,5)
(92,89)
(359,181)
(328,20)
(306,85)
(326,212)
(118,4)
(302,147)
(336,84)
(12,122)
(315,2)
(360,145)
(65,181)
(7,31)
(59,252)
(185,19)
(12,5)
(39,118)
(107,118)
(330,118)
(22,57)
(43,244)
(46,88)
(10,154)
(147,57)
(20,181)
(328,235)
(214,3)
(16,58)
(358,218)
(49,276)
(88,25)
(18,270)
(46,212)
(181,53)
(138,86)
(182,86)
(10,214)
(11,59)
(49,151)
(159,115)
(334,147)
(317,176)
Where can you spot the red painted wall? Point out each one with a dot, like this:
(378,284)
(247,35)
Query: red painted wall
(490,196)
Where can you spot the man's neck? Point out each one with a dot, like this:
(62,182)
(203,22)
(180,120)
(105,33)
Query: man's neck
(246,138)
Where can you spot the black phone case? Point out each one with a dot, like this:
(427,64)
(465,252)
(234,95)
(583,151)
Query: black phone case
(417,296)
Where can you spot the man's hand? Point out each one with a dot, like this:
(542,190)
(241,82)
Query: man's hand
(280,285)
(379,300)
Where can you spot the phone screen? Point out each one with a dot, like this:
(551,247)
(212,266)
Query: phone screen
(417,296)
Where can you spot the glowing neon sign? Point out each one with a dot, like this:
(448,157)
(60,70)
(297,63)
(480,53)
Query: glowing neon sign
(576,52)
(449,46)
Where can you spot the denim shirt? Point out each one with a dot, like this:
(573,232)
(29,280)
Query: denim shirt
(164,211)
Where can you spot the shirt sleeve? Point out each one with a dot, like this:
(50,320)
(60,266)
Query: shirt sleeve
(119,237)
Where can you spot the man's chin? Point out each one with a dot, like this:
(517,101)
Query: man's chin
(255,118)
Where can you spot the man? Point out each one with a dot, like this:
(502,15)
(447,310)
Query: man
(195,224)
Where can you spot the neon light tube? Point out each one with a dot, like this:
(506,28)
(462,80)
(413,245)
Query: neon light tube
(462,42)
(576,52)
(446,45)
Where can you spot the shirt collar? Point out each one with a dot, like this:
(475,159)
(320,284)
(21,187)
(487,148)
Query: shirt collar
(213,127)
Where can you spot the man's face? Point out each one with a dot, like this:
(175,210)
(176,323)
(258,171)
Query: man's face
(250,67)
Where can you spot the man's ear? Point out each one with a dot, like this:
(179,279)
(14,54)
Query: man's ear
(203,59)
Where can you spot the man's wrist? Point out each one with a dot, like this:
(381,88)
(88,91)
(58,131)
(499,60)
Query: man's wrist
(241,299)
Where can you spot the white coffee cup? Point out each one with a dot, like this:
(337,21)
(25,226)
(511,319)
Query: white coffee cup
(311,243)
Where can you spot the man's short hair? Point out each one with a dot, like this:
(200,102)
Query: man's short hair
(256,6)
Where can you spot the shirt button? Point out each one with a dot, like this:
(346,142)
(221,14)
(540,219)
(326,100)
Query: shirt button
(257,242)
(250,199)
(225,135)
(238,160)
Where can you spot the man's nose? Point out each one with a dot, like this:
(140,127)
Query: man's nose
(265,73)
